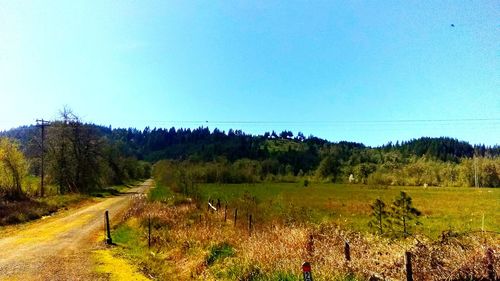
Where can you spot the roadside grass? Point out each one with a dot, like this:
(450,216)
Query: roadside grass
(131,238)
(126,236)
(114,267)
(15,212)
(443,209)
(32,208)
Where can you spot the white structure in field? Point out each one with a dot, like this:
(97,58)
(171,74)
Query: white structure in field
(351,178)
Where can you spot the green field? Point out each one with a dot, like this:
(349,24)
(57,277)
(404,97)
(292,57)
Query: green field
(457,209)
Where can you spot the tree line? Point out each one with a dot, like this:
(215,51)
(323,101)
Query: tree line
(82,157)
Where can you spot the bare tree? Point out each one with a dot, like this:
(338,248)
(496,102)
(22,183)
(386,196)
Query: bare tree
(75,154)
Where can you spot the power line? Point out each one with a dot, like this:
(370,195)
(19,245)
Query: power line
(272,122)
(259,122)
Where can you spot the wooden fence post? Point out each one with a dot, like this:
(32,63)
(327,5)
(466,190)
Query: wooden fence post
(347,251)
(109,241)
(235,216)
(307,272)
(409,271)
(490,260)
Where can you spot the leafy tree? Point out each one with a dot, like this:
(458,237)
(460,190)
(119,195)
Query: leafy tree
(379,216)
(13,168)
(364,170)
(329,167)
(402,213)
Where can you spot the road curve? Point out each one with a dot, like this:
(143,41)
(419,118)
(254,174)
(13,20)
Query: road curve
(59,247)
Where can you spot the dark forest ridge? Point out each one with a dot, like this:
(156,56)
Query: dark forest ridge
(144,143)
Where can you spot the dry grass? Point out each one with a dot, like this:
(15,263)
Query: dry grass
(184,236)
(15,212)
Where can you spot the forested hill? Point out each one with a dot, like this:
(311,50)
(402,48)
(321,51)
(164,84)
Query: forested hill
(283,153)
(203,144)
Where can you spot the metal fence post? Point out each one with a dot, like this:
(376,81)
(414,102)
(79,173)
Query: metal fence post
(307,272)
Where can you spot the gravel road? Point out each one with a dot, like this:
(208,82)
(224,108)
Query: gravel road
(60,247)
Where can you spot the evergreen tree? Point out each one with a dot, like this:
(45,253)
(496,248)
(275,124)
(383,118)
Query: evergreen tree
(402,213)
(379,216)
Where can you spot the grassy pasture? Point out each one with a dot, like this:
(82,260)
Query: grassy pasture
(458,209)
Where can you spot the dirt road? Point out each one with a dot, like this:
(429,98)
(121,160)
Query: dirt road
(59,247)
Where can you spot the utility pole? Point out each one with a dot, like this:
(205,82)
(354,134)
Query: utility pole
(42,124)
(476,181)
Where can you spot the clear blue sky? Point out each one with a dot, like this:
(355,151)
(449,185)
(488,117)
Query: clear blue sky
(335,69)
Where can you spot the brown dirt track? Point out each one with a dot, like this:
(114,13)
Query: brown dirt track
(60,247)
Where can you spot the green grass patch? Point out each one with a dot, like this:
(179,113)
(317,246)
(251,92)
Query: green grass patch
(128,235)
(160,193)
(164,194)
(458,209)
(218,252)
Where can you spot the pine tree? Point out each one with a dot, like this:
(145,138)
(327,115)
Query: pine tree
(379,216)
(402,213)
